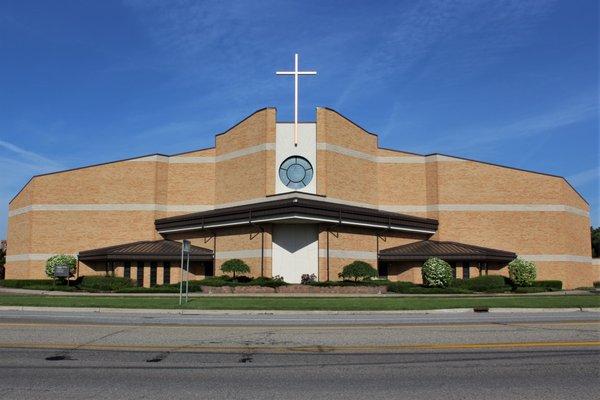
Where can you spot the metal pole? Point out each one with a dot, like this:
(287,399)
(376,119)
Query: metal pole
(181,276)
(187,277)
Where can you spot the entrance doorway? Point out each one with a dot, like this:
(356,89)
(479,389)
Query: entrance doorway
(295,251)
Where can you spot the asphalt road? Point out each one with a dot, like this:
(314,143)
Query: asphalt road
(299,355)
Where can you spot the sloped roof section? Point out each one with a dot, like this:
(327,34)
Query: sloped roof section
(448,251)
(162,250)
(296,206)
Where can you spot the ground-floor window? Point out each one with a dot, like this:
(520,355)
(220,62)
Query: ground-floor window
(382,269)
(167,273)
(453,270)
(209,269)
(153,268)
(127,269)
(466,271)
(140,273)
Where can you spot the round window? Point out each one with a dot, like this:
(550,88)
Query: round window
(295,172)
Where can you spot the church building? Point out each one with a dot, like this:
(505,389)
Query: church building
(299,198)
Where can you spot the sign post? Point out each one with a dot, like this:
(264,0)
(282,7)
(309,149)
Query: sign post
(185,254)
(62,271)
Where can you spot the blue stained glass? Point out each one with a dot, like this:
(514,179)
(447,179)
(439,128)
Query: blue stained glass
(296,172)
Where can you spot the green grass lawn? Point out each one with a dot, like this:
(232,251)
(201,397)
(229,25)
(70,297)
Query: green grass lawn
(304,303)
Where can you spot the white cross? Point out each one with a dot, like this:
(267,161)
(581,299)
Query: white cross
(296,73)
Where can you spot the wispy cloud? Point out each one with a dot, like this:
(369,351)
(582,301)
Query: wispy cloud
(443,40)
(17,166)
(545,123)
(584,177)
(27,154)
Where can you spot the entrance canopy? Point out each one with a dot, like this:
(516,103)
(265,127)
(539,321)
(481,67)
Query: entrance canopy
(447,251)
(157,250)
(295,208)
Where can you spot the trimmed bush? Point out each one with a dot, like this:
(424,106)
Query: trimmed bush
(358,270)
(104,283)
(400,287)
(436,273)
(522,272)
(235,266)
(276,281)
(487,283)
(24,283)
(60,259)
(530,289)
(554,285)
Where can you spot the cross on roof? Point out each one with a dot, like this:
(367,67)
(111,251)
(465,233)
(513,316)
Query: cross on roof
(296,74)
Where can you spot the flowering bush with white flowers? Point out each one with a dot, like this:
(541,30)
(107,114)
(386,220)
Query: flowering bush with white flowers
(522,272)
(60,259)
(436,273)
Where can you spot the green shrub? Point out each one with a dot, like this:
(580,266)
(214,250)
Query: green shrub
(268,282)
(530,289)
(24,283)
(104,283)
(60,259)
(235,265)
(487,283)
(436,290)
(37,284)
(522,272)
(399,287)
(597,284)
(374,282)
(216,281)
(436,273)
(358,270)
(554,285)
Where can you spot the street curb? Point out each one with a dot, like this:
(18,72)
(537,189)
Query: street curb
(104,310)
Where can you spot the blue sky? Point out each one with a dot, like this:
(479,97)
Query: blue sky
(509,82)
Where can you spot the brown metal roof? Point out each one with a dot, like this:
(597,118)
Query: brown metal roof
(145,250)
(420,251)
(296,206)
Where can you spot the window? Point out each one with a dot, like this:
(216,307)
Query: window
(466,271)
(166,273)
(295,172)
(140,273)
(127,270)
(383,269)
(453,265)
(209,269)
(153,268)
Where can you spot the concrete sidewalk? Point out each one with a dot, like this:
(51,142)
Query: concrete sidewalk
(202,294)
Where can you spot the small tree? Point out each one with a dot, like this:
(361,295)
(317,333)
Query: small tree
(436,272)
(60,259)
(358,270)
(522,272)
(234,266)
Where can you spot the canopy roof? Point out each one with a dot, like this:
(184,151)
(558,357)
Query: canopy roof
(448,251)
(145,250)
(295,208)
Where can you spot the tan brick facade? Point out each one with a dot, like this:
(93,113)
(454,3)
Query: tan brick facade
(538,216)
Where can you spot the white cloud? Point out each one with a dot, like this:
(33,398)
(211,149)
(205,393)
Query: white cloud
(584,177)
(26,154)
(571,112)
(448,40)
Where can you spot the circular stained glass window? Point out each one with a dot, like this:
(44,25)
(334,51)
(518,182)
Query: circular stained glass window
(295,172)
